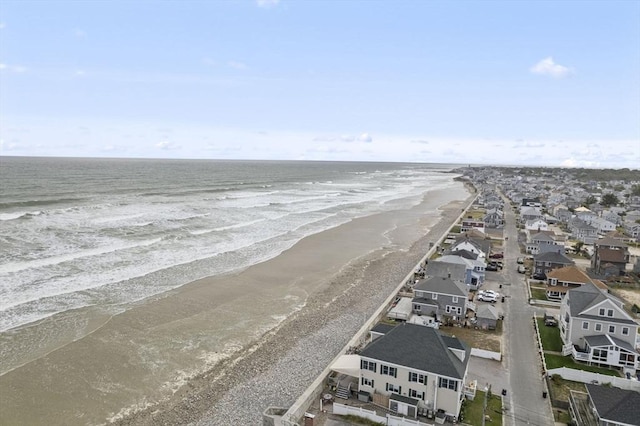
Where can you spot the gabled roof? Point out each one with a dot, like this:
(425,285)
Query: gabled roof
(487,311)
(599,340)
(468,263)
(481,243)
(464,253)
(442,285)
(583,297)
(570,274)
(553,257)
(615,404)
(542,236)
(455,271)
(420,348)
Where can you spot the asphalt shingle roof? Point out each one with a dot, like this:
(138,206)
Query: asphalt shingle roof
(615,404)
(421,348)
(442,285)
(444,269)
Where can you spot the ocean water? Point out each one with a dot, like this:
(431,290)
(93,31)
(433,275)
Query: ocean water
(107,233)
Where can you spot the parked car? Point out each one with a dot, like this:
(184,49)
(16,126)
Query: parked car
(491,267)
(520,260)
(496,256)
(521,269)
(540,277)
(486,297)
(488,293)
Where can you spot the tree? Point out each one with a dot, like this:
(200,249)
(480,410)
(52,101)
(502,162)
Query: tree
(609,200)
(589,200)
(635,189)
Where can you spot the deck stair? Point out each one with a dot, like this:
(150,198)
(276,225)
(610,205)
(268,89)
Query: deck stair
(343,391)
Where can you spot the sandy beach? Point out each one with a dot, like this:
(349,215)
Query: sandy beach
(196,355)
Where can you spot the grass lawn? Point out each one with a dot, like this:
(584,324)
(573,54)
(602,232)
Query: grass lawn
(455,229)
(473,410)
(550,337)
(489,340)
(538,293)
(558,361)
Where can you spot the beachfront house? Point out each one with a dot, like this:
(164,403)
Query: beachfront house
(474,269)
(479,246)
(414,370)
(441,298)
(595,328)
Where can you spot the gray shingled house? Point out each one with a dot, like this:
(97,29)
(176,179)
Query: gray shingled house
(415,370)
(442,298)
(596,329)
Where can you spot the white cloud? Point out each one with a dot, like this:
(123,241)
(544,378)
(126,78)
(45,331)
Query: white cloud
(166,145)
(237,65)
(548,67)
(347,138)
(13,68)
(267,3)
(365,137)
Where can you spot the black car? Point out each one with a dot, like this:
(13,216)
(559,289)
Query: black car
(491,267)
(540,277)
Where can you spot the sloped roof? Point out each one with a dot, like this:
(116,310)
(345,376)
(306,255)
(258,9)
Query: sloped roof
(553,257)
(570,274)
(598,340)
(611,242)
(464,253)
(611,255)
(580,298)
(542,236)
(437,268)
(421,348)
(487,311)
(615,404)
(442,285)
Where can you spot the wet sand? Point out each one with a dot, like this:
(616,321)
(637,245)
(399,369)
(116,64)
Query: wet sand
(200,354)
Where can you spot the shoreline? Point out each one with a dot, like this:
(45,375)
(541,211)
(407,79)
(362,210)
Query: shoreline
(304,306)
(215,395)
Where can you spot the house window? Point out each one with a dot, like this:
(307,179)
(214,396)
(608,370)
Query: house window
(599,355)
(417,307)
(585,325)
(393,388)
(627,359)
(598,327)
(448,384)
(625,331)
(554,281)
(459,310)
(610,313)
(601,312)
(389,371)
(434,296)
(367,382)
(455,299)
(368,365)
(448,309)
(415,394)
(612,329)
(419,378)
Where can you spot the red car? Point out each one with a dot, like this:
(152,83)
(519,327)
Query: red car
(496,256)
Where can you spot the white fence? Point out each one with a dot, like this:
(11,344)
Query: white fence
(390,420)
(589,377)
(481,353)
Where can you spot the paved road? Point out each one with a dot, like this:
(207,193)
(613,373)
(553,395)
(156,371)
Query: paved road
(525,403)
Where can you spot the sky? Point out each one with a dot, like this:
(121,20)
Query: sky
(542,83)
